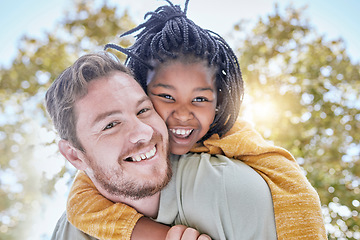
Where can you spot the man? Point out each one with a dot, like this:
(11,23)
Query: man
(91,108)
(110,130)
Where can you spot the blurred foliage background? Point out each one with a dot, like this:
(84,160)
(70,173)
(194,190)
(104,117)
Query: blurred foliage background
(302,93)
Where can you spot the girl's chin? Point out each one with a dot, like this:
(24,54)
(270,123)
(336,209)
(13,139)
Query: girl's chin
(180,146)
(179,150)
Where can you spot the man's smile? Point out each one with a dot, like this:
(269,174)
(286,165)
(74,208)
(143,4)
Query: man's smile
(142,156)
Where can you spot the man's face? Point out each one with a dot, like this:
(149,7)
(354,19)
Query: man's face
(125,140)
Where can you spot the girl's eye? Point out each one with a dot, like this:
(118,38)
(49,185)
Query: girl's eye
(200,99)
(110,125)
(166,96)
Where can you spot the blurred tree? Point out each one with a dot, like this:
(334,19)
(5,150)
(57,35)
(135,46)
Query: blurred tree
(23,121)
(301,94)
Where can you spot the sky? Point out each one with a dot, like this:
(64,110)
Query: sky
(332,18)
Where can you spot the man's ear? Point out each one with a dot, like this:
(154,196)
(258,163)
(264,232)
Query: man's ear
(72,154)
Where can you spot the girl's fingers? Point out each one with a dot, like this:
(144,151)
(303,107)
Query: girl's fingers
(181,232)
(190,233)
(204,237)
(175,232)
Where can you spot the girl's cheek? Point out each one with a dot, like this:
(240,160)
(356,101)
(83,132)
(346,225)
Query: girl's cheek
(162,111)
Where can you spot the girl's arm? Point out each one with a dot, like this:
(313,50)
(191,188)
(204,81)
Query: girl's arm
(146,228)
(97,216)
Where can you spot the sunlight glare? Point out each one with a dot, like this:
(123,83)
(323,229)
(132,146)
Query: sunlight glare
(260,110)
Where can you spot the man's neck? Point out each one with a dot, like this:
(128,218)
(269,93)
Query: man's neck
(148,206)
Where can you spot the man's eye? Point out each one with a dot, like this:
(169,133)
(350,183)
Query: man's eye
(143,110)
(110,125)
(200,99)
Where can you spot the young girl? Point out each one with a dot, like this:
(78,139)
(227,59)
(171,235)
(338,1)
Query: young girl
(169,56)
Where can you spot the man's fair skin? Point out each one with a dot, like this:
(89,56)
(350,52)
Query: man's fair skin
(125,146)
(116,128)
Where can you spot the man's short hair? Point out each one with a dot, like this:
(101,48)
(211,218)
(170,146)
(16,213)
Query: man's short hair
(72,84)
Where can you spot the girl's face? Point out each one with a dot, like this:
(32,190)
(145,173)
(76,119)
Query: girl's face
(184,95)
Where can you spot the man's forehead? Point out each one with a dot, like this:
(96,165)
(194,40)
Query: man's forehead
(116,88)
(117,94)
(118,79)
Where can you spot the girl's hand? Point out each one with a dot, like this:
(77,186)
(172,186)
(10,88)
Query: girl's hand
(181,232)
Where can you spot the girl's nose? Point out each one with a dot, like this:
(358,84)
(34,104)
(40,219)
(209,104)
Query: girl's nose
(182,113)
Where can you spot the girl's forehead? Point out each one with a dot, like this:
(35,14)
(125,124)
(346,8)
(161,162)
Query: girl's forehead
(183,76)
(184,61)
(183,65)
(195,66)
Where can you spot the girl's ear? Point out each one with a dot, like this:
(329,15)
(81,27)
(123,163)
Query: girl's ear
(72,154)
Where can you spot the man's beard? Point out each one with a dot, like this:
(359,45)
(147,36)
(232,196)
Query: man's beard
(130,186)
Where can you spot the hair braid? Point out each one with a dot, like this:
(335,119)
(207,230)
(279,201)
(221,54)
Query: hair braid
(186,6)
(167,34)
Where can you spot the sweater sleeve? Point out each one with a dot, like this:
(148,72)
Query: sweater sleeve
(296,203)
(97,216)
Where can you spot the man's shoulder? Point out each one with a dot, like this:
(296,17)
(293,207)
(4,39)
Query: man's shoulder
(217,168)
(225,193)
(216,161)
(206,171)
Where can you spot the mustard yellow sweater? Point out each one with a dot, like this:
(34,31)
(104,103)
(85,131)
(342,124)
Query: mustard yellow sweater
(296,203)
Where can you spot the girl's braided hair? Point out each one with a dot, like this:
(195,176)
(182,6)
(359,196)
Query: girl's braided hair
(168,35)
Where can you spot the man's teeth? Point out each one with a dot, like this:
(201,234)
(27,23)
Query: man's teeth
(144,156)
(181,132)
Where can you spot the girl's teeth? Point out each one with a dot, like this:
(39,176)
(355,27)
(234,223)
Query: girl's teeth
(182,132)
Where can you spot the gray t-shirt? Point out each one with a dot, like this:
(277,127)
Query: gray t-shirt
(219,196)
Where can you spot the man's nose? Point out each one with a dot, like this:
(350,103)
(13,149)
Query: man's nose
(140,131)
(183,113)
